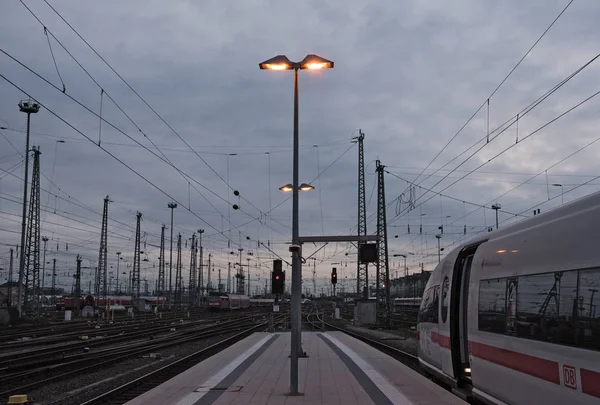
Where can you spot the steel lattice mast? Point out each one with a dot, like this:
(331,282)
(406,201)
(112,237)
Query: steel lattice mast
(135,276)
(101,275)
(362,276)
(178,273)
(383,268)
(200,267)
(161,264)
(32,250)
(192,283)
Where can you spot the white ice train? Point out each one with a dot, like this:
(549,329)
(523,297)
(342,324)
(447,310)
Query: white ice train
(513,316)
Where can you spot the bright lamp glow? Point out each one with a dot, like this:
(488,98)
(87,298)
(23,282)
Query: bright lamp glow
(315,66)
(276,66)
(306,187)
(286,188)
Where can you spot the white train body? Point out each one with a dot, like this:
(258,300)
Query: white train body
(514,315)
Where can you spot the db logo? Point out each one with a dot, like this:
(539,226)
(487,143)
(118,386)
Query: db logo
(570,377)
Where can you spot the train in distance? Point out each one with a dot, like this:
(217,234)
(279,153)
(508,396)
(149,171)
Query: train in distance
(512,316)
(220,301)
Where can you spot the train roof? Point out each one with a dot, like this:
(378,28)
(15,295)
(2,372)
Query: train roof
(572,208)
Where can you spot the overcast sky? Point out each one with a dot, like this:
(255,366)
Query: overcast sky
(409,74)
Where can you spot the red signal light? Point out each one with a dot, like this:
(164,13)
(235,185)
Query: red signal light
(276,277)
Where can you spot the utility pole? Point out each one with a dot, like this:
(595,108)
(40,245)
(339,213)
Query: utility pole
(383,270)
(45,239)
(192,284)
(314,276)
(101,275)
(53,286)
(32,251)
(439,236)
(161,268)
(496,207)
(249,292)
(135,275)
(208,286)
(240,276)
(200,267)
(118,261)
(219,285)
(77,292)
(178,273)
(229,278)
(172,206)
(10,279)
(362,276)
(28,107)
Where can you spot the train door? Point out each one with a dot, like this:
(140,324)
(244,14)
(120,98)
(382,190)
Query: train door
(459,337)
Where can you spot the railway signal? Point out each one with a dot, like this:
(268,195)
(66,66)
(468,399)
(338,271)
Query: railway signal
(277,278)
(334,276)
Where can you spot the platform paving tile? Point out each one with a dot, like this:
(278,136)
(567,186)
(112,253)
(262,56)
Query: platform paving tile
(417,388)
(322,378)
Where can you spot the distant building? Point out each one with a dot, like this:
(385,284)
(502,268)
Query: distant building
(4,293)
(410,286)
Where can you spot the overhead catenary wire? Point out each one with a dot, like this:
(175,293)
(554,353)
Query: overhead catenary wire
(165,160)
(487,100)
(513,145)
(142,99)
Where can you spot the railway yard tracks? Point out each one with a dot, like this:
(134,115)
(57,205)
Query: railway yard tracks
(25,367)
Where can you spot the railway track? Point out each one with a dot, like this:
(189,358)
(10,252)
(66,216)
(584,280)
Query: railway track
(137,387)
(51,354)
(19,380)
(60,333)
(406,358)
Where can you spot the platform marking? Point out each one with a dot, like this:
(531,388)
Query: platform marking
(365,374)
(234,369)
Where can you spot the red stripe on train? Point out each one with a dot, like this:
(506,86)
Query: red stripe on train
(590,382)
(524,363)
(441,340)
(535,366)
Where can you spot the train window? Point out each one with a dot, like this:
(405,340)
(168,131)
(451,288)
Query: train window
(435,304)
(492,305)
(445,298)
(589,312)
(429,306)
(545,309)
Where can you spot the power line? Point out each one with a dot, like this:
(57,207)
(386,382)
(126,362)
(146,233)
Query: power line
(517,143)
(495,90)
(143,100)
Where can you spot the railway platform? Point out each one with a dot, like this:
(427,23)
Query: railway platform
(338,370)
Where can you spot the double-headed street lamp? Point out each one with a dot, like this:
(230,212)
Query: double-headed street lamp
(281,62)
(28,107)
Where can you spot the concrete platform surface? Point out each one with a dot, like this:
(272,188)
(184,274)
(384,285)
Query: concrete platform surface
(339,370)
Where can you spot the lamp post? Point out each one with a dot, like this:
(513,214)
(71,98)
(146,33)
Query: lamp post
(438,237)
(172,206)
(562,193)
(28,107)
(118,260)
(496,207)
(281,62)
(404,256)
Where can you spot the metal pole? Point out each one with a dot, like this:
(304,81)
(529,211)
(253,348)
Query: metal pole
(45,239)
(296,265)
(23,221)
(118,260)
(496,219)
(172,206)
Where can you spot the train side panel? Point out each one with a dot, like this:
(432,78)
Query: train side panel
(524,345)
